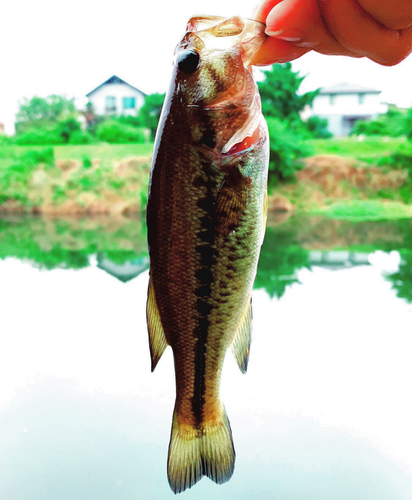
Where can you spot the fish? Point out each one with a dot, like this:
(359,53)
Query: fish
(206,219)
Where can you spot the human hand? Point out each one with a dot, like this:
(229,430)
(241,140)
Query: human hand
(377,29)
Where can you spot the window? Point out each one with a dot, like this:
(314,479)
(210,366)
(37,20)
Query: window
(129,103)
(110,104)
(332,99)
(361,98)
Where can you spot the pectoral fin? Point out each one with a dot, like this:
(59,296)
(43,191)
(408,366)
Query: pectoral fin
(157,339)
(242,339)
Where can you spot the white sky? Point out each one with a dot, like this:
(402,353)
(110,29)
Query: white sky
(71,47)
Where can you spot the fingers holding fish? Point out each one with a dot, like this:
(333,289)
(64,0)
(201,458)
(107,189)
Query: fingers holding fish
(364,28)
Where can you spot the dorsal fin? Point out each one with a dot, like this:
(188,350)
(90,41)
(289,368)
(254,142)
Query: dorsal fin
(242,339)
(157,339)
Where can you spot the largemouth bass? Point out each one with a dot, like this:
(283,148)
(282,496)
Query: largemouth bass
(206,219)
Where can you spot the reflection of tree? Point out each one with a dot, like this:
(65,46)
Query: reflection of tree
(402,280)
(68,243)
(280,258)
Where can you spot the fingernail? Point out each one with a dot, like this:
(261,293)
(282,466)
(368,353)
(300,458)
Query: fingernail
(287,34)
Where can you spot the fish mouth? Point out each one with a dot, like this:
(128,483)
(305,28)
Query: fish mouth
(221,32)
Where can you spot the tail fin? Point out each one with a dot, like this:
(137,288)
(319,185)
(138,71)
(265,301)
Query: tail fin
(194,453)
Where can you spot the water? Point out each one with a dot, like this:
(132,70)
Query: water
(323,413)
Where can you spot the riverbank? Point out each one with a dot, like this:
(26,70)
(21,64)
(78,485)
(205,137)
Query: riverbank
(113,179)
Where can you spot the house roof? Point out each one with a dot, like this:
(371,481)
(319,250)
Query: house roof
(114,79)
(348,88)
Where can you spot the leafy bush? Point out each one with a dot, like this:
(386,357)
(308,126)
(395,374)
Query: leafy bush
(66,128)
(149,113)
(86,162)
(39,137)
(81,137)
(402,158)
(133,121)
(114,132)
(15,178)
(317,127)
(5,140)
(286,148)
(370,127)
(395,123)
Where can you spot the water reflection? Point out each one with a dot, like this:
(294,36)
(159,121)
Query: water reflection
(118,246)
(323,412)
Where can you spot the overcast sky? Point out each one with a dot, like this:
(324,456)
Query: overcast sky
(71,47)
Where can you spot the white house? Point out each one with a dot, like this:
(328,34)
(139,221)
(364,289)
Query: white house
(116,97)
(343,104)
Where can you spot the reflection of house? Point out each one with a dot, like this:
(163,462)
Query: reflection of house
(126,271)
(343,104)
(116,97)
(338,259)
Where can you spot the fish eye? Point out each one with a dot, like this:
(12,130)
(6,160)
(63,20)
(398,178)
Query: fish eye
(188,61)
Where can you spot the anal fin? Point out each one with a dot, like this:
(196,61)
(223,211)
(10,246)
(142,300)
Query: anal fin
(157,339)
(242,339)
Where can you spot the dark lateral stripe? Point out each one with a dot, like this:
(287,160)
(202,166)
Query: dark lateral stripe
(204,276)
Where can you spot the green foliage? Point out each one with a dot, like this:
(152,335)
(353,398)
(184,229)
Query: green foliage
(5,140)
(14,179)
(281,105)
(133,121)
(408,124)
(370,127)
(42,112)
(65,131)
(149,113)
(317,127)
(65,128)
(114,132)
(368,149)
(81,137)
(39,137)
(71,243)
(281,256)
(86,162)
(402,280)
(361,210)
(286,148)
(278,93)
(394,123)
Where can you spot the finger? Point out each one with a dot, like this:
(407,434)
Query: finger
(262,10)
(277,51)
(396,14)
(356,30)
(301,24)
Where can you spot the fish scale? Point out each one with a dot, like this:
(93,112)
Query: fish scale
(206,221)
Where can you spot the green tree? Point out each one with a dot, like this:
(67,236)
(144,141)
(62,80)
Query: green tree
(150,112)
(279,93)
(43,111)
(281,105)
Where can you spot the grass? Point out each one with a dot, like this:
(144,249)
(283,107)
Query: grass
(101,151)
(366,210)
(368,149)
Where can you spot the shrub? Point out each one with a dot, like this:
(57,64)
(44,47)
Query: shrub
(66,128)
(114,132)
(81,137)
(5,140)
(86,162)
(372,127)
(286,148)
(38,137)
(318,127)
(14,179)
